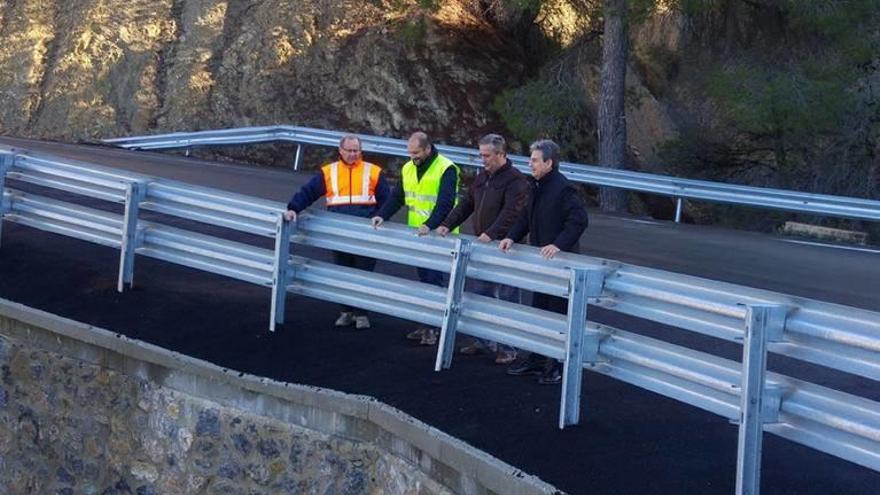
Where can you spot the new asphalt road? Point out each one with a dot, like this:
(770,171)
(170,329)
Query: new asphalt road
(629,441)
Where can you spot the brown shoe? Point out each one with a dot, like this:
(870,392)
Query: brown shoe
(505,357)
(472,349)
(429,338)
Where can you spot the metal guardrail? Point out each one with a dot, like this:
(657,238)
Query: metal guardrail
(777,199)
(838,337)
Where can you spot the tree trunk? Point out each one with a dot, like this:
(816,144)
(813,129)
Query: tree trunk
(612,114)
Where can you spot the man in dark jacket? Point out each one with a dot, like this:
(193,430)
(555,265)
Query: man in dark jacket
(554,220)
(495,199)
(349,186)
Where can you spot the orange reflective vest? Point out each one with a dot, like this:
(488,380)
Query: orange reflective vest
(350,184)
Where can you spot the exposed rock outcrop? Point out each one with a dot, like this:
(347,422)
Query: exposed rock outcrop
(96,68)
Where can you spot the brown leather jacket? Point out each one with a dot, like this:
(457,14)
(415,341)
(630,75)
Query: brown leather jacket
(496,201)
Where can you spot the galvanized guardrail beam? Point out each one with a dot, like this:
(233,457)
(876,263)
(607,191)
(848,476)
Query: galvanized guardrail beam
(134,194)
(763,324)
(584,284)
(777,199)
(6,161)
(280,269)
(455,289)
(839,337)
(822,333)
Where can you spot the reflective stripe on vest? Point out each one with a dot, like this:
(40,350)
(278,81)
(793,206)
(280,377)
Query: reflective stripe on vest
(420,196)
(350,184)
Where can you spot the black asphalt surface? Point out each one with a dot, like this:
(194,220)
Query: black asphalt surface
(629,441)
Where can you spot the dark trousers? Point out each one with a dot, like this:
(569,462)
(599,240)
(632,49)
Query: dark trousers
(550,303)
(432,277)
(358,262)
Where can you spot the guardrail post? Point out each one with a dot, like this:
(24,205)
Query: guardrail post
(297,158)
(764,323)
(283,230)
(584,284)
(6,162)
(678,205)
(446,347)
(134,193)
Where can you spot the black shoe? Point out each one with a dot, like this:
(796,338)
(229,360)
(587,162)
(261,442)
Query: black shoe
(551,375)
(526,367)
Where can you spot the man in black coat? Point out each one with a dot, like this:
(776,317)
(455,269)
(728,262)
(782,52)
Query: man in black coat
(554,219)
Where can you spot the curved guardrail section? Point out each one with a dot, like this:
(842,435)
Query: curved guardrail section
(830,335)
(777,199)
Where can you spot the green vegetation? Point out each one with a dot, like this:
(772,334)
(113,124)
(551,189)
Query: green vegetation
(413,31)
(798,109)
(782,108)
(778,93)
(541,109)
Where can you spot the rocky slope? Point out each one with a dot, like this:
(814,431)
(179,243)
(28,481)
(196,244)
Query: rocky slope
(766,92)
(80,69)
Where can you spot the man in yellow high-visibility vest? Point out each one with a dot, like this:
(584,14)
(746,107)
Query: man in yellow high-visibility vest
(428,186)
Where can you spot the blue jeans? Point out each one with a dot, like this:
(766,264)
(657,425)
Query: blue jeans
(498,291)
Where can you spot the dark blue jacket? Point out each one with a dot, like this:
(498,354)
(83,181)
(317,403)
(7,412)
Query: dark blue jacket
(555,214)
(445,196)
(315,189)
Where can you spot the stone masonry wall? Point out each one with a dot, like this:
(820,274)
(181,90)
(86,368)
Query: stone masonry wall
(87,411)
(67,427)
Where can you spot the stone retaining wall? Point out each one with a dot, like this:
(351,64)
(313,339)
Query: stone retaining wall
(86,411)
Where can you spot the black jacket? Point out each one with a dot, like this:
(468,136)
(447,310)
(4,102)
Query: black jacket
(555,214)
(495,200)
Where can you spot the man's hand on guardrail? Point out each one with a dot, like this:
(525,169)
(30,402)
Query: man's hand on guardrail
(505,244)
(377,221)
(549,251)
(423,230)
(442,231)
(484,238)
(290,215)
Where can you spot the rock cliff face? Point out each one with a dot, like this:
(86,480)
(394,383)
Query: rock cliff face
(88,69)
(704,87)
(81,69)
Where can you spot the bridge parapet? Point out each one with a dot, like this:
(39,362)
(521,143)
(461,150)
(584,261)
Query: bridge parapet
(681,189)
(835,336)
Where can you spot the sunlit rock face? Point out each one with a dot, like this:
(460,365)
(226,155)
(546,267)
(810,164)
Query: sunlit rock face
(83,69)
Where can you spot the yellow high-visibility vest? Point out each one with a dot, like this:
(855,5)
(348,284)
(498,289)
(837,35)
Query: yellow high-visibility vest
(420,196)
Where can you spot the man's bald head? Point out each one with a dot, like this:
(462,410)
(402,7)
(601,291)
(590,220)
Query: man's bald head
(420,138)
(419,147)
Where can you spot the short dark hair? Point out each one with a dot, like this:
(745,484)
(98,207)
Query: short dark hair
(549,150)
(497,142)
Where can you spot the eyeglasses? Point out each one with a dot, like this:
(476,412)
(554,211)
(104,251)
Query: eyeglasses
(351,151)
